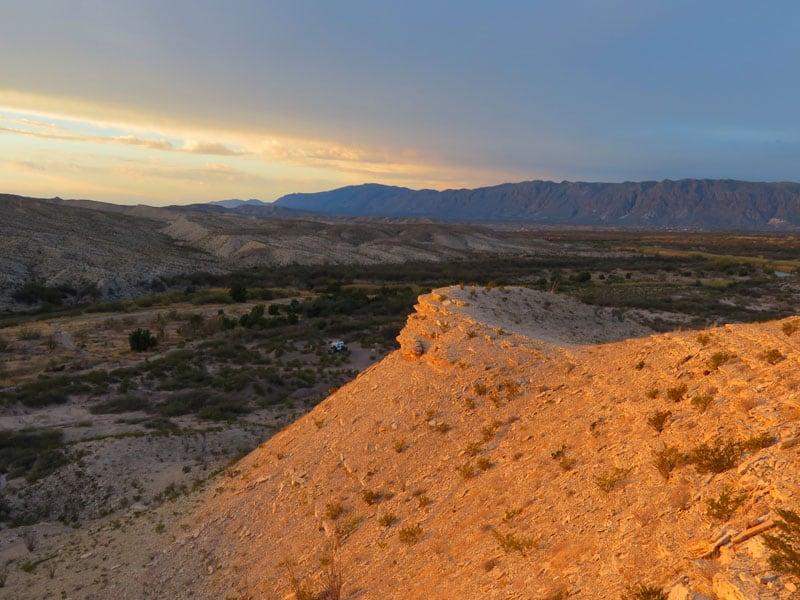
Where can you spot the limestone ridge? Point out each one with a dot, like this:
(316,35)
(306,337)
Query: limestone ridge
(479,461)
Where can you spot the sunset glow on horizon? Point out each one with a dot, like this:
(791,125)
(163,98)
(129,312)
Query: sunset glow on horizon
(146,102)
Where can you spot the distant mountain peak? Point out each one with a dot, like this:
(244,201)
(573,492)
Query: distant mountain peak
(685,203)
(235,203)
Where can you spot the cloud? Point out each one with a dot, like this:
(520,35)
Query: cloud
(132,140)
(216,148)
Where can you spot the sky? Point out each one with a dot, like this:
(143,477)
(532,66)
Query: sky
(155,102)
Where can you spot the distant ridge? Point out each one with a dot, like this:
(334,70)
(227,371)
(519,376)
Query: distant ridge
(236,203)
(687,203)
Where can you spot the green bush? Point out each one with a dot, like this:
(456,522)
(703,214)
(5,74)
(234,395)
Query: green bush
(45,391)
(785,546)
(141,340)
(121,404)
(238,293)
(676,393)
(717,457)
(668,459)
(725,505)
(31,453)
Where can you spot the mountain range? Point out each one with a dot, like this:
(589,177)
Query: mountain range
(705,204)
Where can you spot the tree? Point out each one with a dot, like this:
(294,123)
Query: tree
(141,340)
(238,292)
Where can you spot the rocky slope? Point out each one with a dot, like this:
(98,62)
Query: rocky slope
(511,449)
(688,203)
(121,250)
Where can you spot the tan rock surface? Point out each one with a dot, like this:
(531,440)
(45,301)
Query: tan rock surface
(524,457)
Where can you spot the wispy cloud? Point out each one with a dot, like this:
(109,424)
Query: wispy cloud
(215,148)
(153,144)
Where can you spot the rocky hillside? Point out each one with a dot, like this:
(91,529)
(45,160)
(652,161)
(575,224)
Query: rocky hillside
(688,203)
(114,252)
(117,251)
(518,445)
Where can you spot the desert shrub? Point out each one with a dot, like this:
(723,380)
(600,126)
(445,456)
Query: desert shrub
(758,442)
(676,393)
(658,420)
(334,510)
(790,327)
(222,408)
(703,339)
(560,455)
(652,393)
(121,404)
(718,359)
(612,478)
(238,293)
(772,356)
(203,404)
(29,334)
(32,453)
(211,297)
(161,424)
(410,534)
(641,591)
(489,431)
(668,459)
(724,505)
(480,388)
(484,464)
(639,366)
(255,318)
(717,457)
(332,574)
(472,449)
(346,527)
(141,340)
(467,471)
(509,541)
(371,496)
(399,445)
(31,293)
(30,538)
(511,389)
(785,546)
(45,391)
(387,519)
(702,401)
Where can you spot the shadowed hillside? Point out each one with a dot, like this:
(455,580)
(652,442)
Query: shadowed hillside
(503,453)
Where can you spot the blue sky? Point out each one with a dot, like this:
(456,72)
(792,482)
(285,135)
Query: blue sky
(183,101)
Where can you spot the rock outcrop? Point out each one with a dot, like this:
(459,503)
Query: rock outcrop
(503,452)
